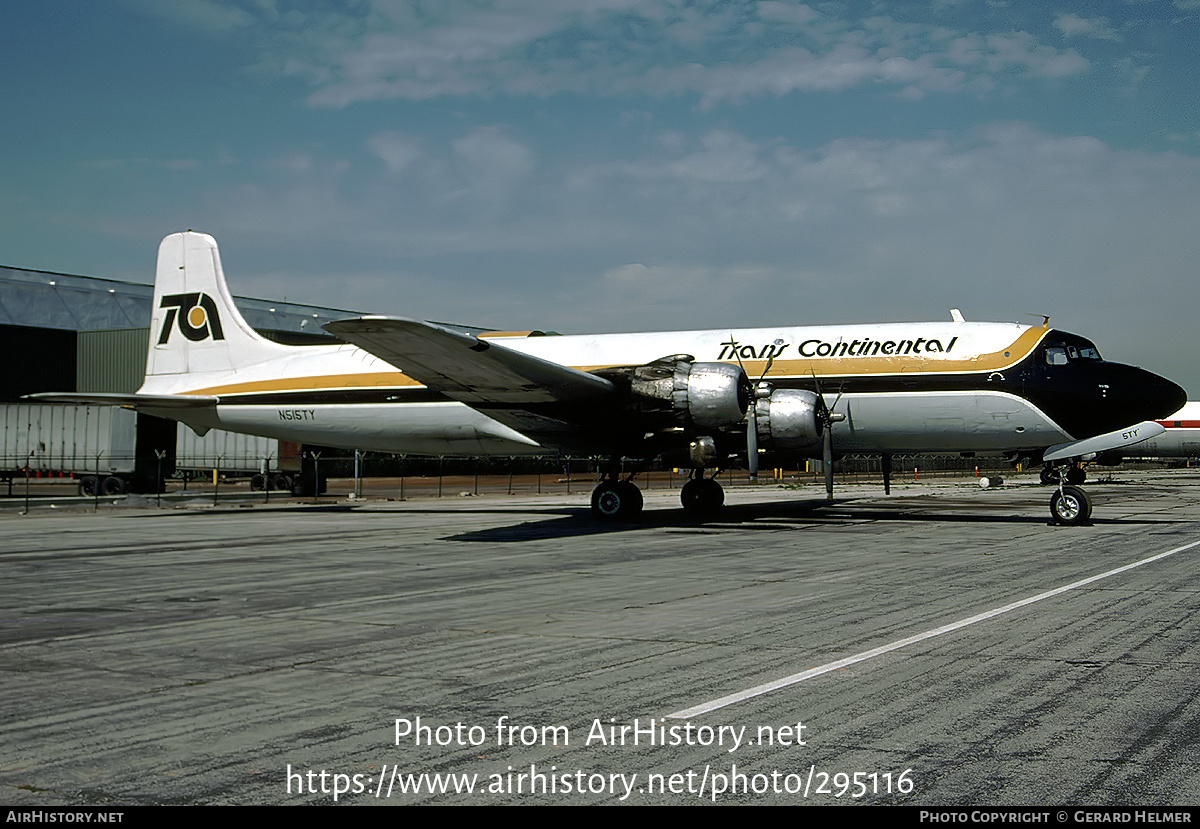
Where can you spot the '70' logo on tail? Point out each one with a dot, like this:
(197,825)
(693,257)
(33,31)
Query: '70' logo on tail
(197,315)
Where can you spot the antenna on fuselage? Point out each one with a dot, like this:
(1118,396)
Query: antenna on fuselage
(1045,318)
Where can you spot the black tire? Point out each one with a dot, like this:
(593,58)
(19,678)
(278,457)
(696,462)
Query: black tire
(258,482)
(702,496)
(281,482)
(1048,476)
(633,497)
(113,486)
(87,485)
(1070,506)
(616,501)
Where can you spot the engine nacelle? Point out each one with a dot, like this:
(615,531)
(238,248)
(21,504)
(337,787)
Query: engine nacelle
(789,420)
(707,395)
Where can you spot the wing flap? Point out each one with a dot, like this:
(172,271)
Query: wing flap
(467,368)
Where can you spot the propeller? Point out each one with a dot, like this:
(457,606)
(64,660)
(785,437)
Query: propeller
(758,389)
(828,418)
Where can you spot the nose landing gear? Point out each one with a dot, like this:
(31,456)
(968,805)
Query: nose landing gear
(1069,505)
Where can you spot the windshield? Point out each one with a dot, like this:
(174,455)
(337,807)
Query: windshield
(1069,349)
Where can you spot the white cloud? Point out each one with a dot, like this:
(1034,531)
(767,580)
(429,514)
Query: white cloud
(399,50)
(396,150)
(1072,25)
(211,16)
(492,162)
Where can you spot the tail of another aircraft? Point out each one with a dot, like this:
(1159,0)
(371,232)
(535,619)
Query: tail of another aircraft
(195,328)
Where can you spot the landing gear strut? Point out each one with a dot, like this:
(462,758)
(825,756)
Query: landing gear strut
(1075,474)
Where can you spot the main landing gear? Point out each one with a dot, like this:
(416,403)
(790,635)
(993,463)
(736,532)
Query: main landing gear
(615,500)
(621,500)
(702,496)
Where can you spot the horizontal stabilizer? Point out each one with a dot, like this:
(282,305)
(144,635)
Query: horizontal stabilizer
(154,401)
(467,368)
(1104,443)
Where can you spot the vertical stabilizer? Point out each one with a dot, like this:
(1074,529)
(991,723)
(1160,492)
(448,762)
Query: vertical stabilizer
(195,328)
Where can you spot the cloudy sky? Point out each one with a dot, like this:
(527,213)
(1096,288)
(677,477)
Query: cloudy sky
(609,165)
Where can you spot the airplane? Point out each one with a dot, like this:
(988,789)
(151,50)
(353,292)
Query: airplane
(1180,438)
(701,400)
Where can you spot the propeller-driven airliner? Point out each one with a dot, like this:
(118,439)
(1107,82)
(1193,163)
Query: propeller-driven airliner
(700,400)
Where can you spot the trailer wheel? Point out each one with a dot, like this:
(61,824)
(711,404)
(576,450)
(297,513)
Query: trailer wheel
(87,485)
(113,486)
(258,482)
(281,482)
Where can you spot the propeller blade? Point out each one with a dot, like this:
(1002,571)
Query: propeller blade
(752,413)
(752,441)
(827,457)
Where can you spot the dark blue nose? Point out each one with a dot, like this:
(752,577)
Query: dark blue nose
(1163,398)
(1135,394)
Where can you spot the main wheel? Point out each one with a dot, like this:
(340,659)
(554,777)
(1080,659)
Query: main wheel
(702,496)
(1070,506)
(1048,475)
(616,500)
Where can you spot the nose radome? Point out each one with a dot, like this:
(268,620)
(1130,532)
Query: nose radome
(1162,398)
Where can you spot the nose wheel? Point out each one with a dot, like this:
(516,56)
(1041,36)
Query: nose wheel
(1070,506)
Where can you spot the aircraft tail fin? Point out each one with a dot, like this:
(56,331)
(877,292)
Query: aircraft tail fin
(195,327)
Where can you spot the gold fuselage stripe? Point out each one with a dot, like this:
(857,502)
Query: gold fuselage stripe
(877,366)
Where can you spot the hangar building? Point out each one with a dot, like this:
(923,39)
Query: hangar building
(67,333)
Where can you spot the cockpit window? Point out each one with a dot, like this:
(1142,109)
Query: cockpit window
(1056,356)
(1061,353)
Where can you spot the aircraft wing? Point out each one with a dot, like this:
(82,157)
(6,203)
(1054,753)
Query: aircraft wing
(155,401)
(467,368)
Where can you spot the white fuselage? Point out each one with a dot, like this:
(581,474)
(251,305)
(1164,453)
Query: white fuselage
(287,394)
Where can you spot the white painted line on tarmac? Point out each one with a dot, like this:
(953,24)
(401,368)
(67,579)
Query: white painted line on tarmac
(759,690)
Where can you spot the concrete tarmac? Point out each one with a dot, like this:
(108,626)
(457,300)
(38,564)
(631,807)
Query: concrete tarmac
(940,646)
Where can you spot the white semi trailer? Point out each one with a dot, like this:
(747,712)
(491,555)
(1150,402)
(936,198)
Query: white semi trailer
(109,452)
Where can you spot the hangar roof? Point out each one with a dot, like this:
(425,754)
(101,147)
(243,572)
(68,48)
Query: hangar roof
(43,299)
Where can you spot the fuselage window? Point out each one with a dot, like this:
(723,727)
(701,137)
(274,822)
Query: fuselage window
(1056,356)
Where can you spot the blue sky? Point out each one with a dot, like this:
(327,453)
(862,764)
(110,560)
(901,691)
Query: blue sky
(609,165)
